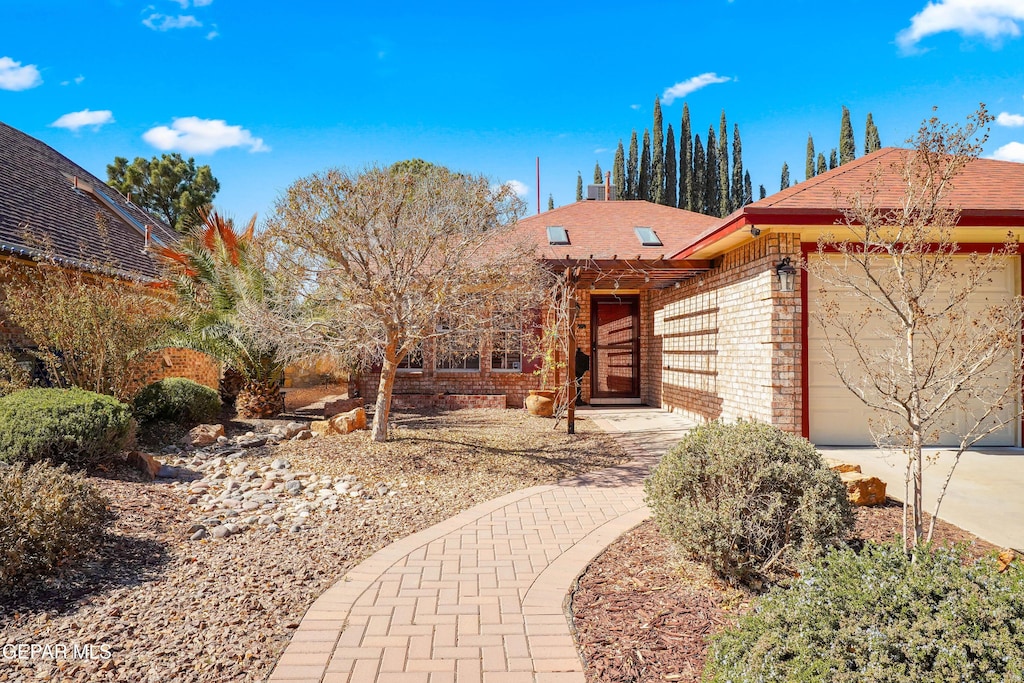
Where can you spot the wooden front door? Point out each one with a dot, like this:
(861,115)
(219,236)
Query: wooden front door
(615,347)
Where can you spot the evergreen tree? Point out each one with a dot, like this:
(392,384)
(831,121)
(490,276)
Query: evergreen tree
(724,197)
(551,201)
(632,179)
(739,197)
(872,143)
(685,161)
(598,175)
(762,193)
(579,186)
(785,176)
(658,157)
(748,189)
(847,146)
(822,165)
(643,187)
(712,190)
(833,160)
(809,166)
(669,198)
(619,171)
(699,175)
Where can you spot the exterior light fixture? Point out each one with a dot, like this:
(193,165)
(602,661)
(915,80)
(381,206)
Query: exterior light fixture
(755,231)
(787,274)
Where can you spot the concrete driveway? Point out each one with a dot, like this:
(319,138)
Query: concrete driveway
(985,496)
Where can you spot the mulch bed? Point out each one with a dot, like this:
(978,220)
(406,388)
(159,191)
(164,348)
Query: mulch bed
(643,614)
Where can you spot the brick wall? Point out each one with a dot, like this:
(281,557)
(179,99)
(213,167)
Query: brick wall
(727,344)
(176,362)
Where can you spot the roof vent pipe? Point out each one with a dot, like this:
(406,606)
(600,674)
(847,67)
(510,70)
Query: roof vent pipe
(608,186)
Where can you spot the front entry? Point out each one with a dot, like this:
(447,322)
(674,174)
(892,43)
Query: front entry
(615,349)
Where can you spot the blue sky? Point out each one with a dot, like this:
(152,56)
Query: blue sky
(268,91)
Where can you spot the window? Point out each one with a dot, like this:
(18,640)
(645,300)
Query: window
(647,237)
(457,350)
(557,235)
(507,343)
(413,360)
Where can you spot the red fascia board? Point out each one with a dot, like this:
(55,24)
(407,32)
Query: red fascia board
(738,223)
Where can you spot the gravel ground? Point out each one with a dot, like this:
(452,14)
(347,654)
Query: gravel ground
(168,608)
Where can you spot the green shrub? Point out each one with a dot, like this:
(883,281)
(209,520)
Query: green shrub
(72,426)
(48,516)
(882,616)
(178,400)
(748,499)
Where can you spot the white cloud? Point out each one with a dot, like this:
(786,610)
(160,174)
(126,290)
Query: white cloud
(201,3)
(1011,151)
(77,80)
(634,107)
(518,187)
(600,150)
(1010,120)
(212,34)
(194,135)
(684,88)
(79,119)
(990,19)
(14,76)
(163,22)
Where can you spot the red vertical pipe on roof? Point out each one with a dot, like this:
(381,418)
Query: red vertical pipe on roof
(607,186)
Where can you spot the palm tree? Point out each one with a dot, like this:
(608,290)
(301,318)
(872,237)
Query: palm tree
(214,270)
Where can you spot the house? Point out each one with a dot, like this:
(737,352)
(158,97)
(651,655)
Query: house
(686,312)
(52,207)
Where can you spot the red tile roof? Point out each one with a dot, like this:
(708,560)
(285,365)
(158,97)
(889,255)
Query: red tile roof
(987,192)
(606,229)
(40,210)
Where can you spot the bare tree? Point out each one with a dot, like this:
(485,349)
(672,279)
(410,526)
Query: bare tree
(370,265)
(948,367)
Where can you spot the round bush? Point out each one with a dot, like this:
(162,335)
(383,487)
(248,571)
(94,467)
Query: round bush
(48,516)
(748,499)
(179,400)
(882,616)
(70,426)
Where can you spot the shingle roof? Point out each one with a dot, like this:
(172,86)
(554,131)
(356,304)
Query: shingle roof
(987,192)
(604,229)
(40,210)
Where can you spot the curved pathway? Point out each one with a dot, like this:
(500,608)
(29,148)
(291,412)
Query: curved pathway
(480,597)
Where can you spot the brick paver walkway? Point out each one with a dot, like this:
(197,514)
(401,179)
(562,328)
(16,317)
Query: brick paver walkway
(480,597)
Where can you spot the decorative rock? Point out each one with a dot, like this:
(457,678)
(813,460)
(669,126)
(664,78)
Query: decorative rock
(250,505)
(145,463)
(265,519)
(293,487)
(303,435)
(345,423)
(239,469)
(862,489)
(840,466)
(273,528)
(295,528)
(232,528)
(220,532)
(203,435)
(280,464)
(167,472)
(222,439)
(320,427)
(199,535)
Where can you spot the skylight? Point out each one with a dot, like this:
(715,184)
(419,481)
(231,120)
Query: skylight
(647,237)
(558,235)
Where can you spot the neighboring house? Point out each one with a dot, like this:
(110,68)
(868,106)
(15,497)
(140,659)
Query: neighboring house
(689,314)
(51,206)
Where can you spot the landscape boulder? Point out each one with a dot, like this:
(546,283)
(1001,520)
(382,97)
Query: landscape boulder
(145,463)
(862,489)
(840,466)
(203,435)
(343,423)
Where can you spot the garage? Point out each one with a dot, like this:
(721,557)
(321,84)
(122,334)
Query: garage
(836,416)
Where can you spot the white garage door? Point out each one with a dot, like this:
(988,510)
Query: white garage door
(837,417)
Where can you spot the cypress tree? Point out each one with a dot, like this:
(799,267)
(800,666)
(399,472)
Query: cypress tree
(872,143)
(658,157)
(579,186)
(847,146)
(762,193)
(739,197)
(833,160)
(724,196)
(748,189)
(619,171)
(685,161)
(712,190)
(822,166)
(598,175)
(643,187)
(809,166)
(631,169)
(699,175)
(670,168)
(551,201)
(785,176)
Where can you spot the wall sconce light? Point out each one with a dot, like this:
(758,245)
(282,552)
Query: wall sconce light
(787,274)
(755,231)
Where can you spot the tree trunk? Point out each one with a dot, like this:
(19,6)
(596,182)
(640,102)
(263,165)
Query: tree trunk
(918,498)
(382,407)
